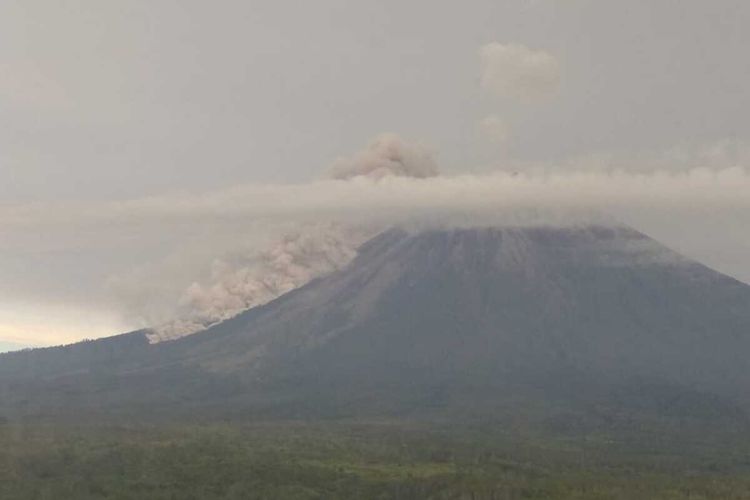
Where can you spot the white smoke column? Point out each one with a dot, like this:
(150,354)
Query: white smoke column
(241,282)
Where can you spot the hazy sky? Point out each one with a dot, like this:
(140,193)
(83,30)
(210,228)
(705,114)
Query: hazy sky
(104,102)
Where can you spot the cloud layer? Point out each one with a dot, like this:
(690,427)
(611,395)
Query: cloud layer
(399,198)
(198,258)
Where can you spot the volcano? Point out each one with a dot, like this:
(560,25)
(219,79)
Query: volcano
(467,322)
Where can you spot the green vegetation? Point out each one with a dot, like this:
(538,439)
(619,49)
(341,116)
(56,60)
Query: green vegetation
(358,461)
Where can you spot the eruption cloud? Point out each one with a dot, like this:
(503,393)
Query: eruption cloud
(320,225)
(238,283)
(387,155)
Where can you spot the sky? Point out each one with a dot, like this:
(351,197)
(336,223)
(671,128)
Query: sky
(142,140)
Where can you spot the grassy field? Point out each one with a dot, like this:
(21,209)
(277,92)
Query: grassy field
(348,461)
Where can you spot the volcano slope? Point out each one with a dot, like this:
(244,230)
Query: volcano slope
(595,322)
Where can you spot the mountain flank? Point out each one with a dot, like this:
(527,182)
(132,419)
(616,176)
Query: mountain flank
(533,322)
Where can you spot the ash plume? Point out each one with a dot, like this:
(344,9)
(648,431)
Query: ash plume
(240,282)
(387,155)
(185,271)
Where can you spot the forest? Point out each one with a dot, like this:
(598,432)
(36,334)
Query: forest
(374,460)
